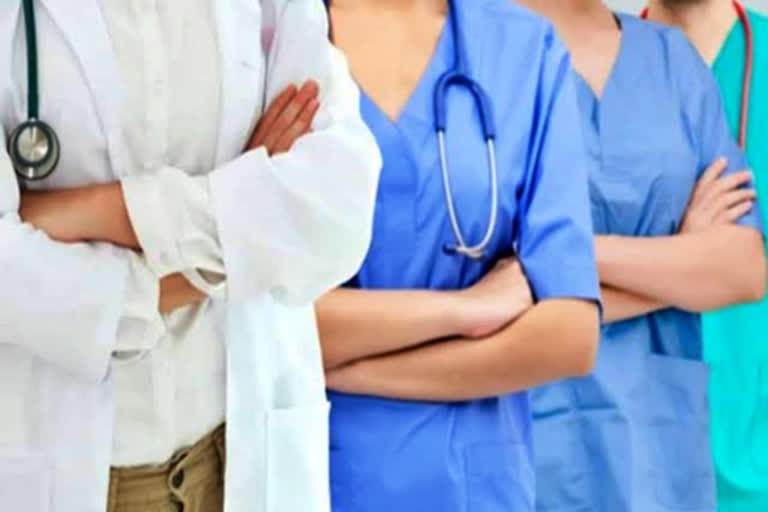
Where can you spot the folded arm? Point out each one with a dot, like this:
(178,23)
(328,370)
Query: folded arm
(358,323)
(72,305)
(619,305)
(554,339)
(693,271)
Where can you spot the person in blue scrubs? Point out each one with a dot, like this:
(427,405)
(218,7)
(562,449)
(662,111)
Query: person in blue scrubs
(429,352)
(677,233)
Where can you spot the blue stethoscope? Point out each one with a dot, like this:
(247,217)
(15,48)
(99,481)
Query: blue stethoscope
(33,146)
(458,75)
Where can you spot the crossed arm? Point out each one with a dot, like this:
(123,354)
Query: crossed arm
(430,345)
(99,212)
(461,345)
(710,263)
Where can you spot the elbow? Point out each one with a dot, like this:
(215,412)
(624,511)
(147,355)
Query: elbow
(756,284)
(354,228)
(741,278)
(751,285)
(585,355)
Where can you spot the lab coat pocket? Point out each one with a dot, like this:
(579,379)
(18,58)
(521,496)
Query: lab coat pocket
(25,484)
(757,436)
(500,477)
(297,459)
(679,433)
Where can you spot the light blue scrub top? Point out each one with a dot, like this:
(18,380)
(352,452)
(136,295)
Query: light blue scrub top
(634,436)
(474,456)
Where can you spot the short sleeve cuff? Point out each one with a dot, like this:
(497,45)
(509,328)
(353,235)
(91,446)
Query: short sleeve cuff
(563,282)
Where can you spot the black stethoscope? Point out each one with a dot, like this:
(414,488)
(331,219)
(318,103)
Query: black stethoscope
(459,75)
(749,56)
(33,146)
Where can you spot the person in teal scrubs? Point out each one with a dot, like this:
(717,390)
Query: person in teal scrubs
(736,338)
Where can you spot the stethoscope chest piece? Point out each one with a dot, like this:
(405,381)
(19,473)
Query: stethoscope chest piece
(34,150)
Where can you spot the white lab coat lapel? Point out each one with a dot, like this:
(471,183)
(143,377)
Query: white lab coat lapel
(10,16)
(242,72)
(91,43)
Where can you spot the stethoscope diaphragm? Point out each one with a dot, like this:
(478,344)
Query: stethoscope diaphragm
(34,150)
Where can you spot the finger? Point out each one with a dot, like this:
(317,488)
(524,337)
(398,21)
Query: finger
(726,184)
(298,128)
(268,118)
(710,176)
(736,212)
(713,172)
(290,113)
(729,199)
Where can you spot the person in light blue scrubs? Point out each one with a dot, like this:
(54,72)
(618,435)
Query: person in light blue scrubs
(677,232)
(430,351)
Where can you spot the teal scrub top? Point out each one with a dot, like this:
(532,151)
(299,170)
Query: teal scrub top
(736,338)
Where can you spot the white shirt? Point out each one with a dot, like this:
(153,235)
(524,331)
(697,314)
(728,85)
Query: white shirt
(172,394)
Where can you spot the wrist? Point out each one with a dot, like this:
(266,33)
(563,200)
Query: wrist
(455,310)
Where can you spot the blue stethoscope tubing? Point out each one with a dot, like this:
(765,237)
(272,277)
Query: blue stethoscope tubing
(33,146)
(459,76)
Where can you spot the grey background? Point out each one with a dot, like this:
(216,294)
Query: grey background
(636,5)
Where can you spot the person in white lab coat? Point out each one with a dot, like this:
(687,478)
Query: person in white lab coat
(160,281)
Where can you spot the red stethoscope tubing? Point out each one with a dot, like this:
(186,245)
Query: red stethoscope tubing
(746,89)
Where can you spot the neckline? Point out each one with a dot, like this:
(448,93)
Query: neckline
(421,83)
(730,40)
(621,20)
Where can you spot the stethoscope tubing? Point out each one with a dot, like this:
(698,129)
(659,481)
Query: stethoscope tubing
(33,91)
(749,58)
(458,75)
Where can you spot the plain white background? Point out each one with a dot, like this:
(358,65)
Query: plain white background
(636,5)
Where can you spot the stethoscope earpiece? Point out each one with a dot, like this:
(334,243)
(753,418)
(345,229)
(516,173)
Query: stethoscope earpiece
(34,150)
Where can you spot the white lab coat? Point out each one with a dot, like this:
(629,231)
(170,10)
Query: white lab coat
(289,227)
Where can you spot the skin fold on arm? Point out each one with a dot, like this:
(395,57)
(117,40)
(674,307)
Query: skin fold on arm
(99,213)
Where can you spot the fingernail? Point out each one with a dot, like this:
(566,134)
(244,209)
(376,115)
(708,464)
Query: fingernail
(311,85)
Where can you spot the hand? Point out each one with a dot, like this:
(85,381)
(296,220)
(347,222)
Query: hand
(58,213)
(716,200)
(288,117)
(176,292)
(496,300)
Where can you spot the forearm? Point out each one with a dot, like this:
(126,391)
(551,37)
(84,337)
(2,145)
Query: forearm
(621,305)
(555,339)
(694,271)
(94,213)
(354,323)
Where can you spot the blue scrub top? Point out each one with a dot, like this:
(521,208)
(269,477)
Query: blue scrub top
(390,455)
(634,436)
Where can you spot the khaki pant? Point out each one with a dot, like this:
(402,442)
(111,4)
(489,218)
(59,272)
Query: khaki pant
(192,481)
